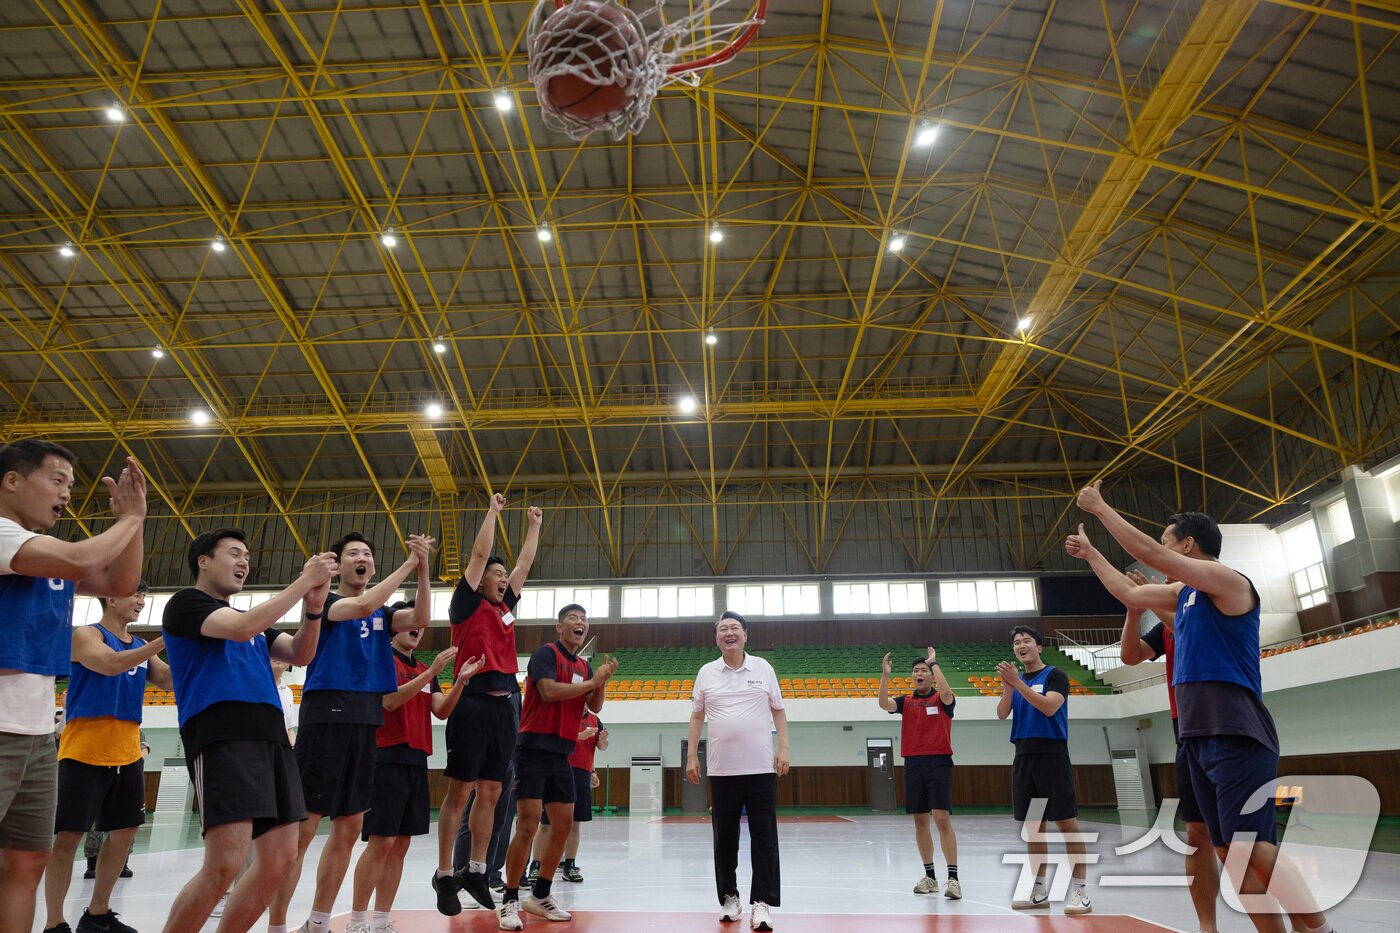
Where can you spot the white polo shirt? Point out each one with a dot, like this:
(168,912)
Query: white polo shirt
(738,704)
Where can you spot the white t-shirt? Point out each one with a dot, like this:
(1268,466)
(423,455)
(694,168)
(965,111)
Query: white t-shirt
(289,709)
(26,700)
(739,705)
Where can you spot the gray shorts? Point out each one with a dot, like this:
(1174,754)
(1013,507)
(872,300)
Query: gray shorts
(28,791)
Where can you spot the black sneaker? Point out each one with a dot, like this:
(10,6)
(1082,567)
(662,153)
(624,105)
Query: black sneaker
(571,873)
(91,871)
(445,886)
(531,875)
(60,928)
(103,923)
(498,884)
(474,883)
(126,872)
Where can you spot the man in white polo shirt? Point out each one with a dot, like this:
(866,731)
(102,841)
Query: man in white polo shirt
(740,695)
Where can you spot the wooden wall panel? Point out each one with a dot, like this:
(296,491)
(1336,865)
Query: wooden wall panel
(1380,768)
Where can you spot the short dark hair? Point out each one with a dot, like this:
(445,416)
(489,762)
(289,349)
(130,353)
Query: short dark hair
(1200,526)
(570,608)
(731,614)
(493,559)
(924,662)
(26,456)
(345,539)
(141,587)
(205,542)
(1027,630)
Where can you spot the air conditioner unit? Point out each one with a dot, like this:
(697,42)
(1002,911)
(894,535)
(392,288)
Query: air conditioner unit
(1132,780)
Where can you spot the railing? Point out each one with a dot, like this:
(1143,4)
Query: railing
(1095,648)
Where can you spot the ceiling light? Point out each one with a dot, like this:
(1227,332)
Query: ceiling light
(716,234)
(1023,325)
(200,417)
(158,353)
(387,238)
(503,101)
(544,234)
(67,251)
(218,245)
(687,404)
(115,113)
(925,135)
(433,410)
(896,242)
(711,339)
(439,347)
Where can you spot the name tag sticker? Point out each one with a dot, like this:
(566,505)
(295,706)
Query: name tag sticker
(508,618)
(576,679)
(379,623)
(427,688)
(930,711)
(1038,688)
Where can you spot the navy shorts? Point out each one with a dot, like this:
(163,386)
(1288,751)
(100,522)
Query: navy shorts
(928,783)
(1188,808)
(1226,770)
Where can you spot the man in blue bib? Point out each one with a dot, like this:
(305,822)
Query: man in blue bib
(342,709)
(1038,704)
(1229,739)
(38,578)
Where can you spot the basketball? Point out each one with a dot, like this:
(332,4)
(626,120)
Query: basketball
(599,49)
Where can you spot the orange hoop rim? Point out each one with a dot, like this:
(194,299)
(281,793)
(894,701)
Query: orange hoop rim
(734,47)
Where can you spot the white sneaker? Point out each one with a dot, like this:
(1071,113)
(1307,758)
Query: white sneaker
(508,916)
(218,910)
(731,910)
(926,885)
(357,928)
(759,918)
(1037,900)
(546,907)
(953,890)
(1078,902)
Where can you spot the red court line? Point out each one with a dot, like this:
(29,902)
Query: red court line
(781,819)
(586,921)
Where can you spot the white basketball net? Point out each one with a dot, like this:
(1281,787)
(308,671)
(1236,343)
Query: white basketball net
(573,45)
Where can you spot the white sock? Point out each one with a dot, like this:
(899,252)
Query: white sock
(381,921)
(1077,884)
(476,868)
(439,873)
(319,921)
(357,916)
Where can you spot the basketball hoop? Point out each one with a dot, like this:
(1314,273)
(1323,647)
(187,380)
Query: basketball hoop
(597,65)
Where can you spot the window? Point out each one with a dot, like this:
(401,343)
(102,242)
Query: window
(1339,518)
(880,598)
(668,602)
(544,602)
(87,610)
(774,599)
(1310,584)
(957,596)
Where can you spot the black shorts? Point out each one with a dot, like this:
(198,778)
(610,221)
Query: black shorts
(543,776)
(1043,774)
(99,797)
(928,784)
(337,767)
(399,804)
(481,738)
(1187,807)
(583,797)
(247,780)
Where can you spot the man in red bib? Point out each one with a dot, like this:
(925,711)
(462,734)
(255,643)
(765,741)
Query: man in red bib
(558,686)
(481,730)
(926,733)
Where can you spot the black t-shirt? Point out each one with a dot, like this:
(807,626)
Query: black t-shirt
(1056,682)
(465,600)
(1156,639)
(230,720)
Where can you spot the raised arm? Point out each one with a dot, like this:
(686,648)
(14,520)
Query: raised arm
(92,652)
(940,683)
(600,693)
(1209,576)
(1158,597)
(526,560)
(410,688)
(358,607)
(420,613)
(230,624)
(481,545)
(1131,648)
(886,702)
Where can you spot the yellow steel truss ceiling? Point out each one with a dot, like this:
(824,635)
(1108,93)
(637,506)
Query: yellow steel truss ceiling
(894,281)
